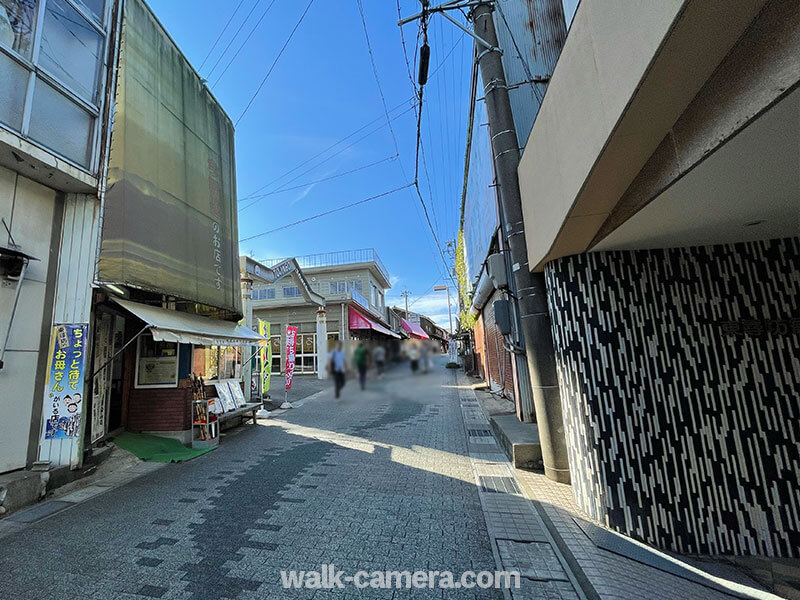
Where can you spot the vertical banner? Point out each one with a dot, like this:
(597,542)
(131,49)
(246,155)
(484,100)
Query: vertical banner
(103,349)
(452,350)
(265,352)
(63,402)
(291,348)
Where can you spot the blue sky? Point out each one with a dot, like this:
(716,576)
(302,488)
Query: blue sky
(321,90)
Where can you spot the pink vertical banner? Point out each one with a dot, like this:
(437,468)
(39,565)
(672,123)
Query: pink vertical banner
(291,349)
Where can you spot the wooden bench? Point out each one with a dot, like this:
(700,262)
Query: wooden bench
(248,411)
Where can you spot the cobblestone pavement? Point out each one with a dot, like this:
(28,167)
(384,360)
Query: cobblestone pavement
(377,480)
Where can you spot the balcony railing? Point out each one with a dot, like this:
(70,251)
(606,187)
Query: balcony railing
(330,259)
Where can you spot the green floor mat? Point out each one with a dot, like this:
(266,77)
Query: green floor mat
(156,448)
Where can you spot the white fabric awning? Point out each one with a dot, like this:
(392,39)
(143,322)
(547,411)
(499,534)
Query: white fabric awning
(186,328)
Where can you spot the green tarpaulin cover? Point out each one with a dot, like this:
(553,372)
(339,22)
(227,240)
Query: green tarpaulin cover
(157,449)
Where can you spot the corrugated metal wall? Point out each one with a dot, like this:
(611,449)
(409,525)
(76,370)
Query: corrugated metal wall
(531,34)
(73,302)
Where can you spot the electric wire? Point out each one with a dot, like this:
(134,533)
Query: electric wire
(317,165)
(235,35)
(242,45)
(221,33)
(257,198)
(394,138)
(274,62)
(325,213)
(375,73)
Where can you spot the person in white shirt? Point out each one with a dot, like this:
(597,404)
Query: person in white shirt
(379,356)
(337,366)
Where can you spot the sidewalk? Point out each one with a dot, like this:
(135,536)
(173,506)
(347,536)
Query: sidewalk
(540,522)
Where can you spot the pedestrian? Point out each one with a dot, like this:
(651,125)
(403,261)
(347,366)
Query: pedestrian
(414,355)
(425,359)
(379,356)
(337,367)
(360,358)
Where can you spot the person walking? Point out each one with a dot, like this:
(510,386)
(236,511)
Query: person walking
(413,355)
(360,358)
(379,356)
(337,367)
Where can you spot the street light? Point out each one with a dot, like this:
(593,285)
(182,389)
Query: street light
(442,288)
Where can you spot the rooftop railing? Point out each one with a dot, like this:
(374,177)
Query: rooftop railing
(330,259)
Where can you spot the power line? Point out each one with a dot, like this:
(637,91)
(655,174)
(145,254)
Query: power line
(327,212)
(221,33)
(272,66)
(302,185)
(317,165)
(235,35)
(375,73)
(242,45)
(420,96)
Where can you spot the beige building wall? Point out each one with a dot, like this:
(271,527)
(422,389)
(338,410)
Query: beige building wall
(33,212)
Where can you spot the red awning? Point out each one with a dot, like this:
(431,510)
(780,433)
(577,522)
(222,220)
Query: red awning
(359,321)
(414,329)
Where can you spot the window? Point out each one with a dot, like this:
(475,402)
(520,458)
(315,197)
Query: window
(17,20)
(264,294)
(156,363)
(216,362)
(58,45)
(342,287)
(70,49)
(275,342)
(291,292)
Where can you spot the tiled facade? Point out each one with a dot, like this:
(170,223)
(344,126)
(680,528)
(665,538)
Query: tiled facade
(680,374)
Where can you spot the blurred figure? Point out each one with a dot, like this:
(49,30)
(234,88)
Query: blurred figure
(414,355)
(337,367)
(425,358)
(360,358)
(379,356)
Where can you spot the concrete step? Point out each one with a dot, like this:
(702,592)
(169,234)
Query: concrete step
(519,440)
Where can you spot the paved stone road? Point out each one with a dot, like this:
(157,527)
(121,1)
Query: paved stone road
(376,480)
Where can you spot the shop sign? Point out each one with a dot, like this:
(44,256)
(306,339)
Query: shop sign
(452,350)
(291,348)
(265,350)
(66,371)
(103,350)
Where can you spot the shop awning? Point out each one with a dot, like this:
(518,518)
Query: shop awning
(359,321)
(414,329)
(186,328)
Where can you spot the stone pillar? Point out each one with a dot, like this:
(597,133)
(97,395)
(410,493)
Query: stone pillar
(322,343)
(247,351)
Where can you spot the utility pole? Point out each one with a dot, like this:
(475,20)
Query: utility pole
(405,294)
(440,288)
(529,288)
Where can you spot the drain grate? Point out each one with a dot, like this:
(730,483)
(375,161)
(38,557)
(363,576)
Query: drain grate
(480,432)
(498,485)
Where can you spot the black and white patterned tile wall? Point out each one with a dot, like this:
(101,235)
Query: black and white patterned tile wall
(680,383)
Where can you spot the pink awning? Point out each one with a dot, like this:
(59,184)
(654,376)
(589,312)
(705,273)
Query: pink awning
(414,329)
(359,321)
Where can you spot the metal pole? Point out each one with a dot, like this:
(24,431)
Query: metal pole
(449,312)
(529,287)
(13,307)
